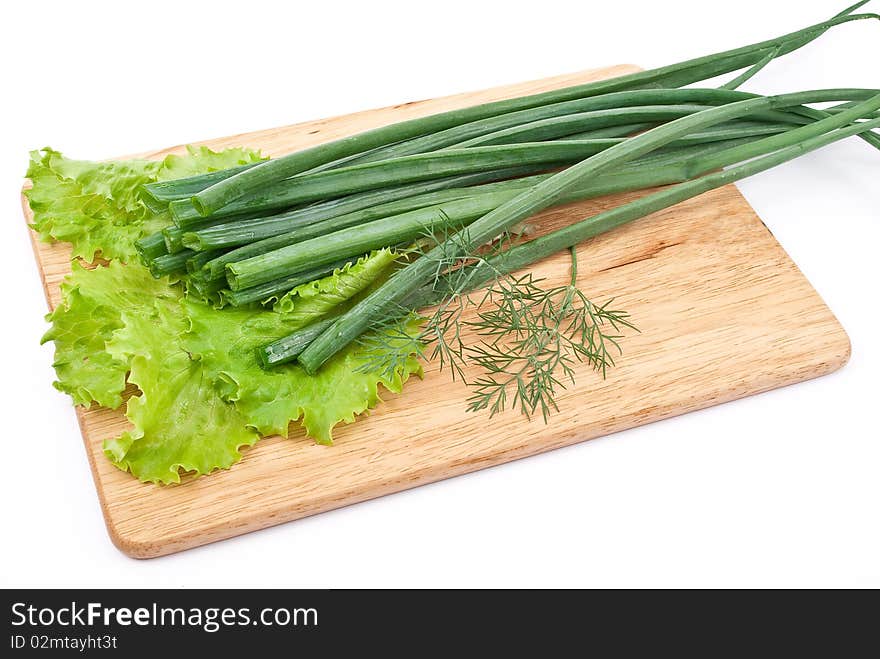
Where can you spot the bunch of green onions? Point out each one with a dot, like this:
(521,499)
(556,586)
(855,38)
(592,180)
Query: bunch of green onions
(248,234)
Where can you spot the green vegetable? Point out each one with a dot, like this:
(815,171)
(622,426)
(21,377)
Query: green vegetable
(270,291)
(520,256)
(511,148)
(531,339)
(97,207)
(351,203)
(91,309)
(151,247)
(181,185)
(300,224)
(661,168)
(222,193)
(202,393)
(225,343)
(533,336)
(599,112)
(317,297)
(405,282)
(393,230)
(407,169)
(170,264)
(92,206)
(180,421)
(604,112)
(572,124)
(288,348)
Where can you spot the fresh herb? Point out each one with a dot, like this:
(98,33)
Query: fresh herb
(532,337)
(524,343)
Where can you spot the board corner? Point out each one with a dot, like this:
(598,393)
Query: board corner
(129,544)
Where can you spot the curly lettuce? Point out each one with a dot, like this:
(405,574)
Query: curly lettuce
(310,301)
(180,422)
(226,344)
(202,396)
(91,308)
(97,207)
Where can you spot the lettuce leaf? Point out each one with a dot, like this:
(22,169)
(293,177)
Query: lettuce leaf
(202,160)
(226,344)
(180,422)
(92,206)
(96,207)
(91,309)
(118,318)
(312,300)
(203,395)
(271,400)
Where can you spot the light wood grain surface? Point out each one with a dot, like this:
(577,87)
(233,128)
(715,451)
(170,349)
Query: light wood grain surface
(722,309)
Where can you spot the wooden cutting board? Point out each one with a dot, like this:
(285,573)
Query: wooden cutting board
(722,309)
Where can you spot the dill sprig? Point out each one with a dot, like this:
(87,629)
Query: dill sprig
(529,338)
(533,337)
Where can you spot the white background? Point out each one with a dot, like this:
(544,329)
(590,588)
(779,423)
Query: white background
(782,489)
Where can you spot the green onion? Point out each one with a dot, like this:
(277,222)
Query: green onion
(611,106)
(151,247)
(170,264)
(612,131)
(656,169)
(197,260)
(563,127)
(290,347)
(173,235)
(603,112)
(289,252)
(748,74)
(303,225)
(406,281)
(207,290)
(407,169)
(421,167)
(527,253)
(157,195)
(187,218)
(220,194)
(653,170)
(558,127)
(282,285)
(406,227)
(236,234)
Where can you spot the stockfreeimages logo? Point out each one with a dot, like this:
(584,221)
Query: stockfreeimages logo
(209,619)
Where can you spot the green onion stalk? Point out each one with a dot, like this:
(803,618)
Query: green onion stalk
(224,192)
(414,276)
(290,347)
